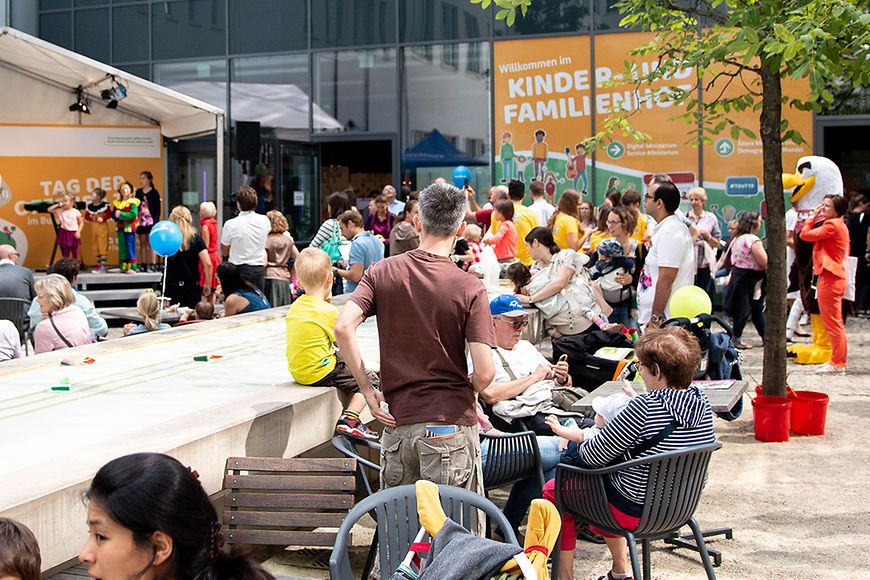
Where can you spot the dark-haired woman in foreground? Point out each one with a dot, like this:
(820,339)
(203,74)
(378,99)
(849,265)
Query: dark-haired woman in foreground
(149,518)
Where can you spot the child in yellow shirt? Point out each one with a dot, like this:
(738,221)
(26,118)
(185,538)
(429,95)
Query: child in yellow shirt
(311,355)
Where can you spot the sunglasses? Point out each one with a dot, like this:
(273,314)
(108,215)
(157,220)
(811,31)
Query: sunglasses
(516,324)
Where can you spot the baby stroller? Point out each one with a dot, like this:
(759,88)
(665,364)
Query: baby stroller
(720,359)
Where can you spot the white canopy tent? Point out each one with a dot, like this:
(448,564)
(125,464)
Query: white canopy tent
(38,83)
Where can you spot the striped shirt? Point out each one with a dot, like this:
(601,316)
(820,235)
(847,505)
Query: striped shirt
(642,420)
(324,233)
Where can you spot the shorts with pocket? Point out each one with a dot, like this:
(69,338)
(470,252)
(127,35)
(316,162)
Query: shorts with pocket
(408,455)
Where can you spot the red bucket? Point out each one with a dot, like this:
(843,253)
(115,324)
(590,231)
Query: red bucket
(772,418)
(809,411)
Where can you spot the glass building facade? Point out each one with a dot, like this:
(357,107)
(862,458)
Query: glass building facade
(333,83)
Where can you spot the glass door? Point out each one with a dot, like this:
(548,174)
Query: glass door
(298,189)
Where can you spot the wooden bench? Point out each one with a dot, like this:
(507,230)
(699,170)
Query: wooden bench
(287,502)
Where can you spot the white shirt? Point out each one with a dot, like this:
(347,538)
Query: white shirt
(246,236)
(523,360)
(396,207)
(10,342)
(791,218)
(543,210)
(671,246)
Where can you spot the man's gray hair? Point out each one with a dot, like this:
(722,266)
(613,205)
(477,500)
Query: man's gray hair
(442,208)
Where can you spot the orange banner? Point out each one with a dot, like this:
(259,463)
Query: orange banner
(41,163)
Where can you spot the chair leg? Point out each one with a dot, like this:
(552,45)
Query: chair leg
(370,559)
(632,550)
(702,548)
(646,559)
(554,572)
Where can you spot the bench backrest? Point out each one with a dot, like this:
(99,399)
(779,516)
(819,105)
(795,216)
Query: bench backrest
(279,502)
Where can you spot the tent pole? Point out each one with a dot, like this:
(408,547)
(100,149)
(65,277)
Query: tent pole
(219,178)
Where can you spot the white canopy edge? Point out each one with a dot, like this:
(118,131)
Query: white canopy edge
(26,58)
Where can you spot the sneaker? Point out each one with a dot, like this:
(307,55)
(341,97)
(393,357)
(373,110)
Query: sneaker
(98,270)
(355,428)
(830,369)
(610,577)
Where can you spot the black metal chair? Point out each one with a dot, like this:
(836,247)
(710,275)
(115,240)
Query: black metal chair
(15,310)
(347,446)
(395,511)
(511,457)
(673,491)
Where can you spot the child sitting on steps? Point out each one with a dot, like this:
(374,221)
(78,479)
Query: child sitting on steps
(311,355)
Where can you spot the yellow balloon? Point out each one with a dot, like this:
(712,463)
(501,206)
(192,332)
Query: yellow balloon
(689,302)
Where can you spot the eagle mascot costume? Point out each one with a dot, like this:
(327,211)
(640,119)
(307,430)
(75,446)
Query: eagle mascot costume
(815,178)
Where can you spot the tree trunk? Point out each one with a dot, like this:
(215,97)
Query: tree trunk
(774,370)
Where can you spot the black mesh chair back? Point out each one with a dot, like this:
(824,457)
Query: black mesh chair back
(15,310)
(511,457)
(395,511)
(676,480)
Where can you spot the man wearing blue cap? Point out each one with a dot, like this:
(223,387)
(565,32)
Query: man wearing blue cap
(518,363)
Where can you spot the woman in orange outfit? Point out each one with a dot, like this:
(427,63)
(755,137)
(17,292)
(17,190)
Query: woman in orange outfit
(830,239)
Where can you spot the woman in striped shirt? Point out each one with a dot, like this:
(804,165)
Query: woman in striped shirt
(671,415)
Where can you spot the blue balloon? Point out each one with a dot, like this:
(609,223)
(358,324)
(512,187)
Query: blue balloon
(165,238)
(460,174)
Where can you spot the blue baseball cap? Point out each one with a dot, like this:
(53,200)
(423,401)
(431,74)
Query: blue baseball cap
(506,305)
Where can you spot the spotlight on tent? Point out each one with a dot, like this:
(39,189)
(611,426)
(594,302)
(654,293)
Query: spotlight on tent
(117,92)
(82,103)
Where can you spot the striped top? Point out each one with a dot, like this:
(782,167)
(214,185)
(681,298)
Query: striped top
(323,233)
(642,420)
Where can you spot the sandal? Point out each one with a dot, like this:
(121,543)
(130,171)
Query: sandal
(742,345)
(584,533)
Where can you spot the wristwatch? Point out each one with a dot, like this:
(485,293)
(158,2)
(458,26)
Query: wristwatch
(657,318)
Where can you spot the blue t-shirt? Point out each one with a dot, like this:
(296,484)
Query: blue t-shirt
(141,328)
(256,301)
(365,249)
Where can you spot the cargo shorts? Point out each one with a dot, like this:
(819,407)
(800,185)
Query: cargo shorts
(408,455)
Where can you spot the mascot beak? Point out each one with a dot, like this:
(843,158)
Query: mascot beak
(801,186)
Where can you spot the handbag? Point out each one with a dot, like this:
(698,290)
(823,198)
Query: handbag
(333,244)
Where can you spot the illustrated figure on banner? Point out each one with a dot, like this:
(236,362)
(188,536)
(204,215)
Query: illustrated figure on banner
(576,167)
(507,157)
(540,152)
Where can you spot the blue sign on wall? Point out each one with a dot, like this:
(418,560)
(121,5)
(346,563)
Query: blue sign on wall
(741,186)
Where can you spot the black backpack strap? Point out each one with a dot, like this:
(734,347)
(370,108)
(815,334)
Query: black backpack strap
(645,446)
(57,331)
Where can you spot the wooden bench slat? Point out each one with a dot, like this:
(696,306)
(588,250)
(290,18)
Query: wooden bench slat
(280,538)
(284,519)
(286,501)
(291,482)
(290,465)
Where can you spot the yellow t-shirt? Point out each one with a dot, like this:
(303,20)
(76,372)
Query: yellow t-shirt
(596,238)
(564,225)
(310,339)
(539,150)
(640,228)
(525,220)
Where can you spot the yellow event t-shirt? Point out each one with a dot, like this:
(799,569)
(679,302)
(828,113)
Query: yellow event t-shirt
(565,224)
(596,238)
(525,220)
(310,339)
(640,228)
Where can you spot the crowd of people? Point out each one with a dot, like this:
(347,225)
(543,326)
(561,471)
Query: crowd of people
(442,338)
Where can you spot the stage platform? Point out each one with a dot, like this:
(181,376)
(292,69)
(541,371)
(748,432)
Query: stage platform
(146,393)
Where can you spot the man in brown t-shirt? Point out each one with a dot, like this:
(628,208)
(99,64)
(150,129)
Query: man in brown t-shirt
(427,309)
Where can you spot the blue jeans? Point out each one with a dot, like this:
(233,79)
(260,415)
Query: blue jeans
(523,492)
(622,315)
(507,169)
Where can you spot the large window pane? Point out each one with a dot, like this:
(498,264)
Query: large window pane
(352,22)
(607,17)
(92,39)
(56,28)
(428,20)
(355,90)
(447,88)
(130,33)
(140,70)
(552,16)
(91,2)
(272,90)
(188,28)
(268,25)
(54,4)
(204,80)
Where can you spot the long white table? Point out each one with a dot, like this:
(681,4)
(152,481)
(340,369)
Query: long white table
(146,393)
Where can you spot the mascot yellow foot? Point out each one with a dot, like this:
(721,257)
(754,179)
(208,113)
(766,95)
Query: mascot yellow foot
(819,352)
(542,530)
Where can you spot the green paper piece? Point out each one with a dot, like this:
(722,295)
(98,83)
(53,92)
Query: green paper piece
(200,358)
(60,388)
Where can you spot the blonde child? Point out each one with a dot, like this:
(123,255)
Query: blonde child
(98,213)
(280,249)
(126,215)
(606,409)
(208,231)
(19,552)
(311,355)
(475,248)
(148,306)
(70,222)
